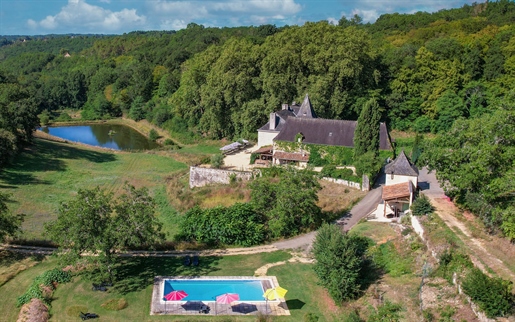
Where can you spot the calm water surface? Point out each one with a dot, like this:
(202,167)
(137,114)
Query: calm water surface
(112,136)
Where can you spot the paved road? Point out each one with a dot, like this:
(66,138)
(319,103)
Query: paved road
(360,210)
(303,242)
(429,185)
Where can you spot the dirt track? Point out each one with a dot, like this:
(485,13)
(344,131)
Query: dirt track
(446,209)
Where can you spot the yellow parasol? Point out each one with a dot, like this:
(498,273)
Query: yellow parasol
(275,293)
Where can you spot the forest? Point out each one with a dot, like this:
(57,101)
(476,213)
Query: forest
(448,72)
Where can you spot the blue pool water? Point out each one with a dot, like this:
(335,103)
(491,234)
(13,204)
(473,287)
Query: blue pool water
(208,290)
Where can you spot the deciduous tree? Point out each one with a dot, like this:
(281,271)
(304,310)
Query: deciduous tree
(97,223)
(339,262)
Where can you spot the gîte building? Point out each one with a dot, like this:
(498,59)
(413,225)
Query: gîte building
(299,123)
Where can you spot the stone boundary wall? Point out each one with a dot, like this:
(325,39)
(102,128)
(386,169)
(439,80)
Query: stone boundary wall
(200,177)
(417,227)
(343,182)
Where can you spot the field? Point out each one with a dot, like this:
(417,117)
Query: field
(48,173)
(400,258)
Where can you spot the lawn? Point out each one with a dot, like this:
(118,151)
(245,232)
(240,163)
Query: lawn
(135,287)
(48,173)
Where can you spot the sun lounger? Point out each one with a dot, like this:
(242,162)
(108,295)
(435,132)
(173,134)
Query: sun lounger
(195,260)
(99,287)
(204,309)
(87,316)
(187,261)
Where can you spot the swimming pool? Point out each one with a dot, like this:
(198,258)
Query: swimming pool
(208,290)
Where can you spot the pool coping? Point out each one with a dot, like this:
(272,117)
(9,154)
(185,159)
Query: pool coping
(160,307)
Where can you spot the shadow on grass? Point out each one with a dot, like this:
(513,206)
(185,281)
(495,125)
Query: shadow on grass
(136,273)
(294,304)
(46,156)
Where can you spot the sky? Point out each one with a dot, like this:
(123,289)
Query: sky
(39,17)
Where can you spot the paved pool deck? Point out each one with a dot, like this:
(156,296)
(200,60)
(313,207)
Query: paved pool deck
(160,307)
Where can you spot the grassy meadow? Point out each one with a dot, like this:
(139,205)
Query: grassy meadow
(135,279)
(47,173)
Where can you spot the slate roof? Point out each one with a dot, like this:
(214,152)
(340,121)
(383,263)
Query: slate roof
(306,109)
(396,191)
(401,166)
(283,115)
(326,132)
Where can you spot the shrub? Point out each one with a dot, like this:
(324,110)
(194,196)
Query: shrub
(169,142)
(153,135)
(422,206)
(492,295)
(44,118)
(353,317)
(451,262)
(235,225)
(310,317)
(217,161)
(64,117)
(253,158)
(389,311)
(232,178)
(46,278)
(339,262)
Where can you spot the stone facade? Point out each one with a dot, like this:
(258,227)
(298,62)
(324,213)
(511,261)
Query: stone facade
(200,177)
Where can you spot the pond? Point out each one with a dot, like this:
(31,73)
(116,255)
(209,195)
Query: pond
(112,136)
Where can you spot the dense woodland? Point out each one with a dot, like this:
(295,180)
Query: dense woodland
(423,71)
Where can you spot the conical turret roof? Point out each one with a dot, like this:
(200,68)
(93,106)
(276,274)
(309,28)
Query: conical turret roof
(306,109)
(401,166)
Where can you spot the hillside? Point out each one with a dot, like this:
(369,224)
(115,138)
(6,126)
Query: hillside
(425,70)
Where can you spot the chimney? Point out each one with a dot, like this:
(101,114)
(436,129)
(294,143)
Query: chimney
(285,106)
(272,121)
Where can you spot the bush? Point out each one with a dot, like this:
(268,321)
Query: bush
(451,262)
(64,117)
(389,311)
(492,295)
(332,172)
(340,262)
(422,206)
(353,317)
(46,278)
(169,142)
(44,118)
(310,317)
(235,225)
(217,161)
(253,158)
(153,135)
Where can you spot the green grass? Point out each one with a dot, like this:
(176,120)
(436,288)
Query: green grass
(379,232)
(48,173)
(304,295)
(17,286)
(136,286)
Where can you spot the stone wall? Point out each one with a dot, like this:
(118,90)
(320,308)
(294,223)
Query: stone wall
(200,177)
(344,182)
(417,227)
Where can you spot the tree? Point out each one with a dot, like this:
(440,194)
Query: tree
(9,224)
(289,202)
(153,135)
(340,259)
(366,135)
(474,163)
(95,222)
